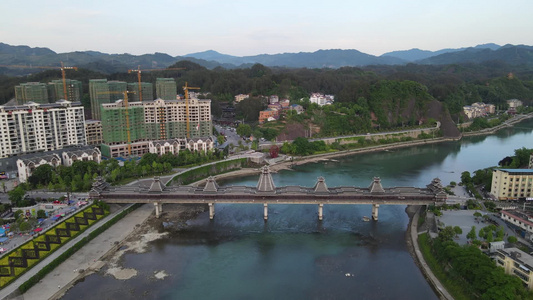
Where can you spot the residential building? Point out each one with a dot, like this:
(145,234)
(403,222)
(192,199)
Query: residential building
(264,115)
(285,103)
(298,108)
(514,103)
(56,92)
(41,127)
(154,120)
(71,156)
(93,132)
(167,119)
(174,146)
(26,166)
(478,109)
(162,147)
(321,99)
(121,124)
(522,220)
(133,149)
(512,184)
(166,88)
(516,262)
(31,92)
(273,99)
(240,97)
(147,91)
(102,91)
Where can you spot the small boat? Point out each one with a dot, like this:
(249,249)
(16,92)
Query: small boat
(366,219)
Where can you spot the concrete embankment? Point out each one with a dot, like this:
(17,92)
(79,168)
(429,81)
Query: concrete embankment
(412,241)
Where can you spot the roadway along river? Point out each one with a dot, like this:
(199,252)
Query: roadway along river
(293,256)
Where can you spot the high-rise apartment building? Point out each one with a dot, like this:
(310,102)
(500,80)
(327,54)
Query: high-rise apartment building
(102,91)
(121,124)
(153,120)
(166,119)
(31,92)
(147,90)
(93,132)
(41,127)
(56,92)
(166,88)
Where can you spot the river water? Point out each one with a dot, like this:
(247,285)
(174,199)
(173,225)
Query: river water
(293,255)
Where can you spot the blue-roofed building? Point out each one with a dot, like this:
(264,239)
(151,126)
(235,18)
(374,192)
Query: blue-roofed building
(512,184)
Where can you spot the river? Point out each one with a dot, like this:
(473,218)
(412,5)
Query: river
(293,255)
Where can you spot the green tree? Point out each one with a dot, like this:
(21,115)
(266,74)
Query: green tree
(471,235)
(41,214)
(465,177)
(447,234)
(244,130)
(512,239)
(457,230)
(42,175)
(16,195)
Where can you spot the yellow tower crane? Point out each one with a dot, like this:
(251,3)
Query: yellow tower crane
(186,88)
(139,71)
(62,68)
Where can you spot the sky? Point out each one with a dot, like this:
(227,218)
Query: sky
(241,28)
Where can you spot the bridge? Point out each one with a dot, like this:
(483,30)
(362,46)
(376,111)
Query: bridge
(265,192)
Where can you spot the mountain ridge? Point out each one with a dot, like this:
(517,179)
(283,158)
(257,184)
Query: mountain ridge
(323,58)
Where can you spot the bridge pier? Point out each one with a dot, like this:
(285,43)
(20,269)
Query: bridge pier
(158,209)
(320,211)
(265,211)
(211,210)
(375,209)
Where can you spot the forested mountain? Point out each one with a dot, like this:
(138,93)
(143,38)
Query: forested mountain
(415,54)
(513,55)
(335,58)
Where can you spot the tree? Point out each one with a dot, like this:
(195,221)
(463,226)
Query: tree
(41,214)
(447,234)
(465,177)
(16,195)
(41,175)
(512,239)
(477,214)
(457,230)
(471,235)
(244,130)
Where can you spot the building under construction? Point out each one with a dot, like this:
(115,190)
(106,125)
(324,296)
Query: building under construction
(56,91)
(147,90)
(102,91)
(152,120)
(166,88)
(31,92)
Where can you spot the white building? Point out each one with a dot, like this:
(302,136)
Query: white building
(69,157)
(37,127)
(167,146)
(514,103)
(27,165)
(240,97)
(321,99)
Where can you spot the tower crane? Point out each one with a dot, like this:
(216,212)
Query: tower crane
(139,71)
(62,68)
(186,88)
